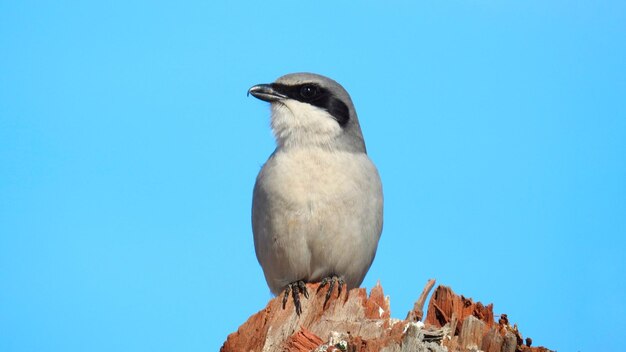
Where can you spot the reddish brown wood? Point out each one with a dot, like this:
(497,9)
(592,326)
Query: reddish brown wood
(303,341)
(363,323)
(444,303)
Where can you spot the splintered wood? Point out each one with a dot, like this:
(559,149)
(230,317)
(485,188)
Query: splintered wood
(445,306)
(472,326)
(356,322)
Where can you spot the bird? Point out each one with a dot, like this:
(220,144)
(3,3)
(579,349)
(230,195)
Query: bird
(317,206)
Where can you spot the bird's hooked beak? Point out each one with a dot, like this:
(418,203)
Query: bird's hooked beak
(266,92)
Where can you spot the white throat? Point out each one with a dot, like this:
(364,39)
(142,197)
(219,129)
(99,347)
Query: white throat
(297,124)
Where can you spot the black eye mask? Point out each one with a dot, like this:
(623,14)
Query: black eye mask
(317,96)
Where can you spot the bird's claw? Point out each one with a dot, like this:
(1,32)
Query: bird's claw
(295,288)
(331,281)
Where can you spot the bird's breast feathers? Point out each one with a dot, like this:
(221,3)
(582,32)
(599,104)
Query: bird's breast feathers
(316,175)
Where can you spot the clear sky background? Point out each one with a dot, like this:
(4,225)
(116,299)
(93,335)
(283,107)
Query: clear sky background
(128,153)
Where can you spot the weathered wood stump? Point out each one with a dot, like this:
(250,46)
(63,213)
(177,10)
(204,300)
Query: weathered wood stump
(356,322)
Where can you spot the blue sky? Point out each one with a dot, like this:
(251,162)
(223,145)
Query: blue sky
(128,153)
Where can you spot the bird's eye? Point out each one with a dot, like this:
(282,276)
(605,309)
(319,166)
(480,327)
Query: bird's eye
(308,91)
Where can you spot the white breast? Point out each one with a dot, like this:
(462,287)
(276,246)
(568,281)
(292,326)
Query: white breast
(316,213)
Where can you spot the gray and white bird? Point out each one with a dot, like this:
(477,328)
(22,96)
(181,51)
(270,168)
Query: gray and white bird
(317,208)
